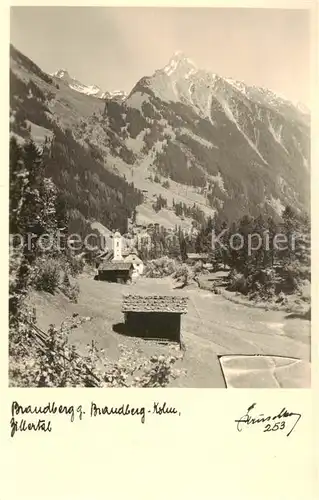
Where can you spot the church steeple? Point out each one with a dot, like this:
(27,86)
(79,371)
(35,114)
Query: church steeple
(117,246)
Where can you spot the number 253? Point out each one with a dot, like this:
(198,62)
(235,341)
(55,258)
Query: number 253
(275,427)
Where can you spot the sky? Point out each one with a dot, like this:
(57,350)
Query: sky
(114,47)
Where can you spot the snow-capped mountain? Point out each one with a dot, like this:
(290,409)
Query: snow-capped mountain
(118,95)
(93,90)
(302,107)
(210,141)
(181,81)
(249,145)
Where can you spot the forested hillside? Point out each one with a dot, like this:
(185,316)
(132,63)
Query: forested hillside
(90,191)
(227,147)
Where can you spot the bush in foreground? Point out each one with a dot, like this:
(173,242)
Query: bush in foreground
(47,359)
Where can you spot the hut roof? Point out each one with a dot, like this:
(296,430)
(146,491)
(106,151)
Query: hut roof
(154,303)
(115,266)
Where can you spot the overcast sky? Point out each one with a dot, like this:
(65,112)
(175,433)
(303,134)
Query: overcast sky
(114,47)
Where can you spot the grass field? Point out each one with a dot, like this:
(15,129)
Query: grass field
(261,348)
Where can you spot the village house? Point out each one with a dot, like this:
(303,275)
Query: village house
(116,272)
(111,262)
(131,256)
(154,316)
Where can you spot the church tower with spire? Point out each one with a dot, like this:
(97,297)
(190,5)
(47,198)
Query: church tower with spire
(117,247)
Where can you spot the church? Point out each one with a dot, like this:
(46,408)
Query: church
(120,265)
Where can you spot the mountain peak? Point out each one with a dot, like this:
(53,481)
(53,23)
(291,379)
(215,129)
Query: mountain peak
(179,62)
(181,57)
(75,84)
(179,54)
(62,73)
(92,90)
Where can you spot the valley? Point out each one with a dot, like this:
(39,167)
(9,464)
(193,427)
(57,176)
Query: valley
(214,140)
(212,327)
(184,155)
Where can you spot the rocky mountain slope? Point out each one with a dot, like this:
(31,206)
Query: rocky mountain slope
(42,110)
(191,137)
(235,148)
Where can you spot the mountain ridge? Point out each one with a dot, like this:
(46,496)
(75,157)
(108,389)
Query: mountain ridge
(193,138)
(92,90)
(180,60)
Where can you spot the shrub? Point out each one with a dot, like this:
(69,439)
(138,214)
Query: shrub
(184,274)
(47,275)
(294,275)
(70,290)
(46,359)
(263,283)
(198,267)
(75,264)
(237,282)
(158,268)
(53,274)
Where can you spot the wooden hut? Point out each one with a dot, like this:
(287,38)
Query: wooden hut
(154,316)
(116,272)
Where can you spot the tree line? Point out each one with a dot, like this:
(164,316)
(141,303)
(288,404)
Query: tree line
(263,254)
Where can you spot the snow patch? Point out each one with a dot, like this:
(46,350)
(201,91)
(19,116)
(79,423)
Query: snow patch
(159,146)
(83,89)
(175,89)
(136,145)
(276,204)
(171,67)
(162,87)
(137,100)
(237,85)
(39,133)
(190,92)
(305,162)
(209,108)
(163,122)
(277,135)
(170,132)
(179,59)
(217,179)
(231,117)
(197,138)
(189,73)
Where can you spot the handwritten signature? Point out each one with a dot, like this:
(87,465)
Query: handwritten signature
(271,422)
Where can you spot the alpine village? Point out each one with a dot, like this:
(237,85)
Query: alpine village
(136,204)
